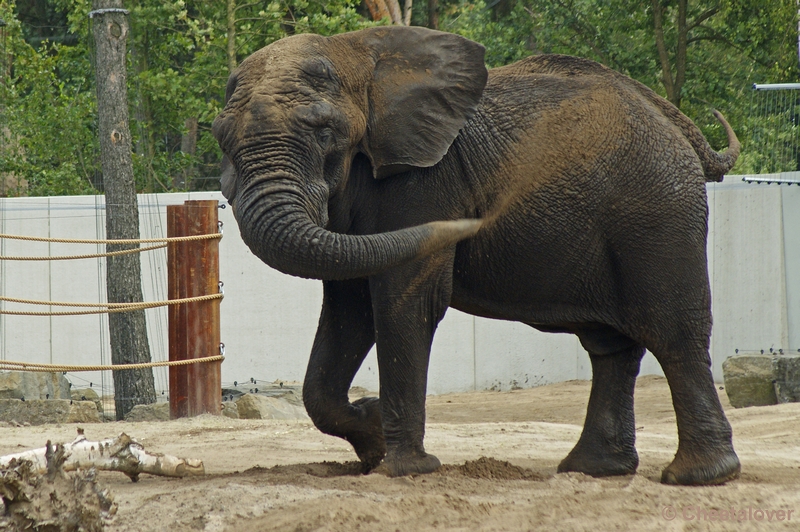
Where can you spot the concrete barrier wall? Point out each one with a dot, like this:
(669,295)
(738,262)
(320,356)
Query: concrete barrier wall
(269,319)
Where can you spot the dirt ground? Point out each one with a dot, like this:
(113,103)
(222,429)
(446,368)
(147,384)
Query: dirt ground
(500,451)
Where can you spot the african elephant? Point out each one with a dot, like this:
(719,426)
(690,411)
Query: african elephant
(556,192)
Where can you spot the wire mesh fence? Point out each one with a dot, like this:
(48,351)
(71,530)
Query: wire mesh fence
(774,122)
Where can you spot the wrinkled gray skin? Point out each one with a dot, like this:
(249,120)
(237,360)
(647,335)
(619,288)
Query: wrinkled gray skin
(553,191)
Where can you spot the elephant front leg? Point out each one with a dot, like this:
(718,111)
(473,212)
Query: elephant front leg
(406,316)
(607,444)
(344,337)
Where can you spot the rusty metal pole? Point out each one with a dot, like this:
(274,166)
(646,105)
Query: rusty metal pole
(193,270)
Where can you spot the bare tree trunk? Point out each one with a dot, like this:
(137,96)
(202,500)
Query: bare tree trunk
(127,330)
(407,12)
(394,10)
(189,147)
(378,9)
(231,51)
(673,83)
(433,14)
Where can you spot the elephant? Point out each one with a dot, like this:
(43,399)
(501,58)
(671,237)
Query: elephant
(391,164)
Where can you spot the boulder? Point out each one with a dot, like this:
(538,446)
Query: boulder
(786,372)
(87,394)
(41,411)
(84,412)
(230,409)
(256,406)
(151,412)
(33,385)
(762,379)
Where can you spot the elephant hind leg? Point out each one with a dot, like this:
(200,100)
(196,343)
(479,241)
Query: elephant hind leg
(705,444)
(607,444)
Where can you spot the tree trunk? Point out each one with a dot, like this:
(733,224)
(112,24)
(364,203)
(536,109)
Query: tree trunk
(123,277)
(394,11)
(231,50)
(673,83)
(407,7)
(433,14)
(189,147)
(378,9)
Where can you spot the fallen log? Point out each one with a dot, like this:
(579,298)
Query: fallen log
(121,454)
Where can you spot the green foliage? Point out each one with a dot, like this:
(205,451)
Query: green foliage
(178,68)
(736,43)
(177,71)
(48,115)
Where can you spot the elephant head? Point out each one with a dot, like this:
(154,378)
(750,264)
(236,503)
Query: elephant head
(299,110)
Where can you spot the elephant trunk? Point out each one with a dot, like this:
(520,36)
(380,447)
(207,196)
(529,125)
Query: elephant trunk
(278,229)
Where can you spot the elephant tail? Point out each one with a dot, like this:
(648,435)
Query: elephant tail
(716,164)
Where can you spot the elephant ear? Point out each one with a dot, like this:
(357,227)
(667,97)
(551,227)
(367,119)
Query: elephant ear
(426,85)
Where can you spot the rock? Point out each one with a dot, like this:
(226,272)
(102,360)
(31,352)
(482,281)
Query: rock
(230,409)
(256,406)
(151,412)
(762,379)
(289,391)
(33,385)
(786,372)
(40,411)
(87,394)
(83,412)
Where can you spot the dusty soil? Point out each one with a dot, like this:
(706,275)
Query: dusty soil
(500,451)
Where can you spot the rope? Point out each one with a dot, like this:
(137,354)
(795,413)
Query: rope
(122,241)
(93,256)
(55,368)
(109,308)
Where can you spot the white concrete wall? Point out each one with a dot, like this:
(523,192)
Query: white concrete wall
(269,319)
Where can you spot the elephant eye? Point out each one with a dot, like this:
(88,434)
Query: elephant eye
(319,68)
(325,137)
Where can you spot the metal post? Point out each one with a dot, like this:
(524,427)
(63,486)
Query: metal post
(193,270)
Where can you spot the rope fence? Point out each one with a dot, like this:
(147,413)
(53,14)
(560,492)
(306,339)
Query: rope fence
(104,308)
(55,368)
(118,241)
(108,308)
(163,243)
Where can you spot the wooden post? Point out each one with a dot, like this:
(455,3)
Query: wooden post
(193,270)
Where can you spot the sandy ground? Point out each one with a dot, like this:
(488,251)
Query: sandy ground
(500,451)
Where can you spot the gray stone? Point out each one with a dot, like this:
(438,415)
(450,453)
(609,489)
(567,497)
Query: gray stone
(33,385)
(230,409)
(786,372)
(41,411)
(756,379)
(84,412)
(87,394)
(256,406)
(748,380)
(151,412)
(289,391)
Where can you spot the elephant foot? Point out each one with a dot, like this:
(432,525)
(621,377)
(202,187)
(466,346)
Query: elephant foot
(597,461)
(368,441)
(400,464)
(702,469)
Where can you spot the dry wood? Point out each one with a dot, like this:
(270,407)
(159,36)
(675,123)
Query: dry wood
(121,454)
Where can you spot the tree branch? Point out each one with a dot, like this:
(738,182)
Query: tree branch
(702,17)
(118,454)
